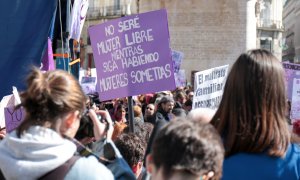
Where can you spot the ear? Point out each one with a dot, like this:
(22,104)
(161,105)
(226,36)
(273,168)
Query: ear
(134,168)
(70,119)
(149,164)
(138,167)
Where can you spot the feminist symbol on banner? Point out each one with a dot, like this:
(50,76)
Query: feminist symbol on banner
(13,117)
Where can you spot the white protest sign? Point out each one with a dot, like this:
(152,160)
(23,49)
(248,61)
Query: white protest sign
(88,84)
(209,86)
(81,74)
(94,72)
(6,101)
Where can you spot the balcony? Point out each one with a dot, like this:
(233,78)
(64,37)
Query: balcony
(269,25)
(107,12)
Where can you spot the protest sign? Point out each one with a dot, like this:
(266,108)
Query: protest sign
(291,71)
(177,60)
(295,105)
(13,117)
(88,84)
(6,101)
(180,78)
(94,72)
(209,85)
(292,76)
(132,55)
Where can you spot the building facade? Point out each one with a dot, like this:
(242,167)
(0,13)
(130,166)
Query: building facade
(269,26)
(291,36)
(209,33)
(99,12)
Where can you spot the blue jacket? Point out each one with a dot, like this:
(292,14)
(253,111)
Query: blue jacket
(261,166)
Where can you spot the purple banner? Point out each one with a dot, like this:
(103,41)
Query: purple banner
(292,71)
(13,118)
(132,55)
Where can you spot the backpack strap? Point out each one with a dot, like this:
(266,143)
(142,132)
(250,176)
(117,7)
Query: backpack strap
(60,172)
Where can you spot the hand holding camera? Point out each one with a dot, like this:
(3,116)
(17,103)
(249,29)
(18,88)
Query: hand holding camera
(101,128)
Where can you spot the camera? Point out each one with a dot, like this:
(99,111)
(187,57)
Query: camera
(86,127)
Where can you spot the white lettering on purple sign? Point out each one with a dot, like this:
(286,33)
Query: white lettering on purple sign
(108,45)
(109,30)
(113,82)
(128,49)
(129,24)
(127,52)
(151,74)
(138,37)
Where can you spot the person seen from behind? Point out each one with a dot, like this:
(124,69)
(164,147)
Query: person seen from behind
(186,150)
(132,148)
(251,120)
(54,103)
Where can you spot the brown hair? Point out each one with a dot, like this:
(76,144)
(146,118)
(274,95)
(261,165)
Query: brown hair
(190,147)
(137,111)
(118,130)
(49,97)
(251,115)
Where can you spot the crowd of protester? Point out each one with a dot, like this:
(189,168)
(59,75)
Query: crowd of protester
(247,137)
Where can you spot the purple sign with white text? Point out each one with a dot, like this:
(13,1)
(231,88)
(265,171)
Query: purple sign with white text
(132,55)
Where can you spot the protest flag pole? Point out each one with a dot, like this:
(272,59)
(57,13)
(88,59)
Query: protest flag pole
(130,113)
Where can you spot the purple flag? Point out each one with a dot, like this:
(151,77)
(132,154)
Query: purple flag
(132,55)
(48,62)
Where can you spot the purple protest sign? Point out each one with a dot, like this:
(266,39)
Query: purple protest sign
(13,117)
(292,71)
(132,55)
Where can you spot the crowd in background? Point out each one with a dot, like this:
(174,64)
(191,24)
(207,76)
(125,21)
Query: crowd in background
(247,137)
